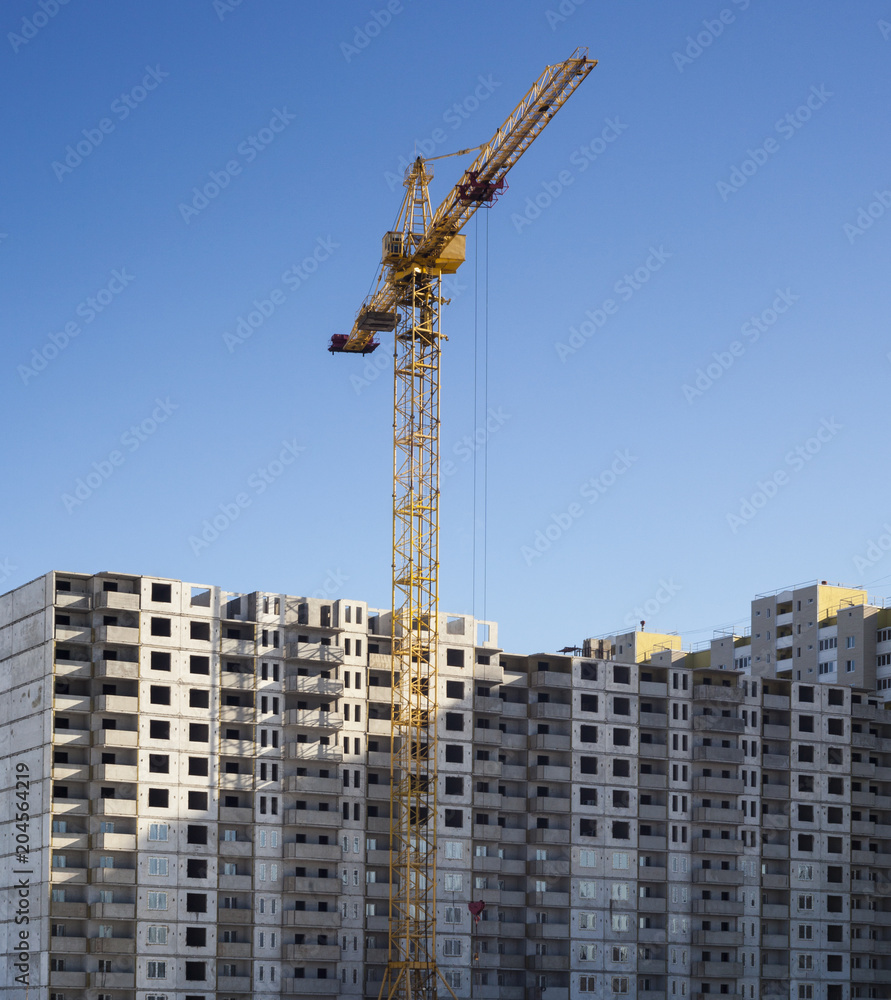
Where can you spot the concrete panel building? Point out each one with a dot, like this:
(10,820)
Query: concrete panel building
(196,801)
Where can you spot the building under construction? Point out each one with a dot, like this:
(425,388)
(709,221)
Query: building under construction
(197,801)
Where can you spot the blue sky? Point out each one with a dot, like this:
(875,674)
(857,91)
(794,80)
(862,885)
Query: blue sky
(650,451)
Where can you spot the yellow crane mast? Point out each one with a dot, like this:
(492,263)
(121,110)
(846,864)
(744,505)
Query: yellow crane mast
(422,247)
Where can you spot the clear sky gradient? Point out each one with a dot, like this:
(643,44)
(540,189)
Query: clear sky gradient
(648,450)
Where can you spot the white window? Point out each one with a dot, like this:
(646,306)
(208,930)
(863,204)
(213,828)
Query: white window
(619,891)
(370,876)
(159,867)
(273,838)
(588,984)
(678,863)
(805,902)
(805,962)
(157,900)
(156,970)
(261,872)
(850,642)
(587,921)
(588,859)
(620,985)
(481,851)
(480,882)
(60,861)
(454,850)
(620,861)
(850,666)
(157,831)
(370,909)
(588,953)
(229,868)
(620,954)
(451,946)
(453,882)
(541,854)
(452,915)
(679,894)
(541,885)
(620,921)
(453,979)
(106,931)
(806,873)
(230,835)
(156,934)
(273,873)
(587,890)
(262,838)
(805,991)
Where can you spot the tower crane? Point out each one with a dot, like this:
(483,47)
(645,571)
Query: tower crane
(422,247)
